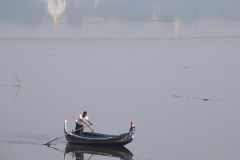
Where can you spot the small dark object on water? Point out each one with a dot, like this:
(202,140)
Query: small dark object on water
(205,99)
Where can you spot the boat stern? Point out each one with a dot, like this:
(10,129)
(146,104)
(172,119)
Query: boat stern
(65,125)
(132,128)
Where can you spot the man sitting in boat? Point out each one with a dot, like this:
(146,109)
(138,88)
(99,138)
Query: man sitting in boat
(82,119)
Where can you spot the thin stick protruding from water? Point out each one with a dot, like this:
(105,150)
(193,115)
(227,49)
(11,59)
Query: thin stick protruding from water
(17,80)
(19,86)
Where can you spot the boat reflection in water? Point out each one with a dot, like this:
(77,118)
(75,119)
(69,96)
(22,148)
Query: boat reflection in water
(78,152)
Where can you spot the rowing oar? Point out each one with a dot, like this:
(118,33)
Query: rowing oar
(90,127)
(64,135)
(75,119)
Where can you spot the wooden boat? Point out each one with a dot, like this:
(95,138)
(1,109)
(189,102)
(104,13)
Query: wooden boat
(89,138)
(80,152)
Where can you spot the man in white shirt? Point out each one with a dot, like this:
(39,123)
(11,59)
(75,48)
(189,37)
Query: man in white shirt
(82,119)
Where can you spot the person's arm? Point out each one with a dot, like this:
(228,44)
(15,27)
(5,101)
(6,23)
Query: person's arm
(83,121)
(90,122)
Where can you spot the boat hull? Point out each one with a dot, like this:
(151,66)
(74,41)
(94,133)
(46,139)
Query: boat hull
(113,141)
(98,139)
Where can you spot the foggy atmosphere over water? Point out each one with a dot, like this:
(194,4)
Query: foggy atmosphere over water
(172,67)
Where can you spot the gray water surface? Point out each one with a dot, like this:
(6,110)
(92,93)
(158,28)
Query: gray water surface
(170,66)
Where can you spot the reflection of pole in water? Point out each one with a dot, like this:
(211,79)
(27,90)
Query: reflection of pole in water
(56,8)
(77,158)
(176,25)
(19,86)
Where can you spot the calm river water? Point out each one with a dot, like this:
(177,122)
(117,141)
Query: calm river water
(173,67)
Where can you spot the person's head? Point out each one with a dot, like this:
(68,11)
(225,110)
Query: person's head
(84,114)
